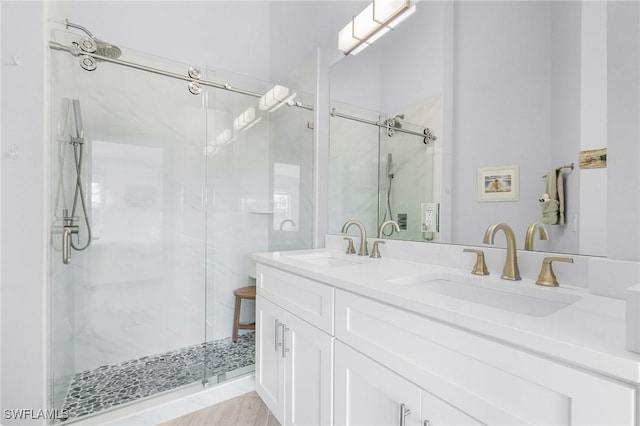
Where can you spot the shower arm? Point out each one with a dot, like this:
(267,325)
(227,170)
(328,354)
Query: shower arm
(80,27)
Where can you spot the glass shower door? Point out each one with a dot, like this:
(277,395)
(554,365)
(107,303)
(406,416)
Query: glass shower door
(259,192)
(128,311)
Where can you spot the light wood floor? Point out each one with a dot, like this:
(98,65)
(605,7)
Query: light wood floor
(244,410)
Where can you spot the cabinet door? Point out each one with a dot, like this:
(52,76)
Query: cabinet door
(269,360)
(436,412)
(368,394)
(308,373)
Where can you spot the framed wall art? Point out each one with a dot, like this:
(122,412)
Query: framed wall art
(500,183)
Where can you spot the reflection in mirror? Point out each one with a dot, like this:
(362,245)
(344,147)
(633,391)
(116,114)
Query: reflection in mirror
(380,166)
(394,161)
(526,84)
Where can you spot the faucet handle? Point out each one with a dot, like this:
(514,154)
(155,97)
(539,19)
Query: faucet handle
(480,268)
(546,277)
(350,248)
(375,251)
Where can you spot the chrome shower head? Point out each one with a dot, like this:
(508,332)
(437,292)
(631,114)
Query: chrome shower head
(107,49)
(95,45)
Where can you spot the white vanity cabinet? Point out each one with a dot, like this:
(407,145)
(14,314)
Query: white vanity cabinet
(354,360)
(481,380)
(294,357)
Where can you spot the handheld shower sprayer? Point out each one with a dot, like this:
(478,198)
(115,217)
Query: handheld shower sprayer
(77,117)
(70,227)
(390,176)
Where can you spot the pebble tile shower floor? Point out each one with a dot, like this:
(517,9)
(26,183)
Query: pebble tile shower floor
(111,385)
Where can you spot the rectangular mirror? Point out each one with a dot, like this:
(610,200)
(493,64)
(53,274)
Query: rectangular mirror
(505,85)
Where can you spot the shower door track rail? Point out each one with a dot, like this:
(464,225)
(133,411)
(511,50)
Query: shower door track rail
(75,51)
(427,134)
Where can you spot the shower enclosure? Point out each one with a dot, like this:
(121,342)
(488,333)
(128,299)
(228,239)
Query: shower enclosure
(181,183)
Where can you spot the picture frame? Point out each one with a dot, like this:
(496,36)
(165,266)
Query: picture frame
(500,183)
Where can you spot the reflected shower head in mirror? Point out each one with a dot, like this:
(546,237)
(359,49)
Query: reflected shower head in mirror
(95,45)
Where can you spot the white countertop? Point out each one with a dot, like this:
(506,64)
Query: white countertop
(589,332)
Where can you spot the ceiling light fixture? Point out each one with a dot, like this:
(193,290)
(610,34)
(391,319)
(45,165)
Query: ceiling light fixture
(372,23)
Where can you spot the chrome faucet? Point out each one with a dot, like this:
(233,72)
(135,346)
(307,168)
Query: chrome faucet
(375,251)
(394,227)
(510,270)
(363,251)
(531,232)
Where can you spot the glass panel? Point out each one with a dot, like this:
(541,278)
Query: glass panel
(148,306)
(128,311)
(366,186)
(259,192)
(353,168)
(410,178)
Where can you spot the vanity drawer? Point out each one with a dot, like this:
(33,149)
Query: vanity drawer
(308,299)
(493,382)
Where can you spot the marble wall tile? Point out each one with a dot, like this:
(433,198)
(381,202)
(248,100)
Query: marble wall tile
(353,170)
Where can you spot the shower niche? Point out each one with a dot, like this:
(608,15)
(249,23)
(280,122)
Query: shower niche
(179,189)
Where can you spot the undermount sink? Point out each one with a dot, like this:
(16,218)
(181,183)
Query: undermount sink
(508,296)
(325,259)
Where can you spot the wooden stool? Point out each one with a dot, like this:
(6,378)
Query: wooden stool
(242,293)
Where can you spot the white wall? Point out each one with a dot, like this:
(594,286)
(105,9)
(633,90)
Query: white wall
(299,28)
(623,130)
(502,98)
(24,307)
(565,118)
(593,128)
